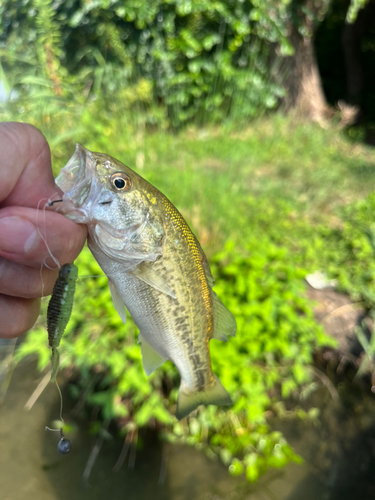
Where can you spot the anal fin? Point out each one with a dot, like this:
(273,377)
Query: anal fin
(151,359)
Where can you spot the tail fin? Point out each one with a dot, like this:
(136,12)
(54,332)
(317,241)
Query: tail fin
(213,395)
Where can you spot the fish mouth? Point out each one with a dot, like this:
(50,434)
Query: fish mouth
(75,174)
(82,192)
(76,181)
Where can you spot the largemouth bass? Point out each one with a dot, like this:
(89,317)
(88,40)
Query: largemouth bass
(155,267)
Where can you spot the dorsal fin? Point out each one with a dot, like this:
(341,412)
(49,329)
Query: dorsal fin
(224,322)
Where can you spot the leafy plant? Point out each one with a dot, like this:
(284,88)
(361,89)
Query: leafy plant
(355,7)
(204,61)
(273,192)
(107,75)
(271,353)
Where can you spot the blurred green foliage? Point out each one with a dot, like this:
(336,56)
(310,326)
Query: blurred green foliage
(262,284)
(263,200)
(200,60)
(355,7)
(269,356)
(267,203)
(171,62)
(353,245)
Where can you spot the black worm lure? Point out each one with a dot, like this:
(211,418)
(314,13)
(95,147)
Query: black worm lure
(58,314)
(59,310)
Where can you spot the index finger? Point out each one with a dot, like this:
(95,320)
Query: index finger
(25,166)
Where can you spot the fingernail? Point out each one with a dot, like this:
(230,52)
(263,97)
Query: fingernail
(17,235)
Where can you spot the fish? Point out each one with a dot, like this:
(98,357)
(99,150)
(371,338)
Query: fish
(155,267)
(59,311)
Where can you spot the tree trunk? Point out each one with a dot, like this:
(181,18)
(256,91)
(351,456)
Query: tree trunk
(351,43)
(304,87)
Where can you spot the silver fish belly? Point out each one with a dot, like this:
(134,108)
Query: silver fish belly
(169,325)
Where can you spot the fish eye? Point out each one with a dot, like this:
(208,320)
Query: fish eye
(120,182)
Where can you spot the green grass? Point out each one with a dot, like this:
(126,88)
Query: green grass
(269,204)
(223,179)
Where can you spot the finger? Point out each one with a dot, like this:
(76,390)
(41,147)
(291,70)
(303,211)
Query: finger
(21,237)
(18,280)
(25,167)
(17,315)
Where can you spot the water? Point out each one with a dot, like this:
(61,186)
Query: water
(31,468)
(339,455)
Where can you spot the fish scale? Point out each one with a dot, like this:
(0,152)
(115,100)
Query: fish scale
(156,268)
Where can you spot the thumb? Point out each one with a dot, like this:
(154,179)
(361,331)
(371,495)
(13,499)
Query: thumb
(30,236)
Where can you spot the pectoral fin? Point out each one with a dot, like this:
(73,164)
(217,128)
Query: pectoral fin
(151,359)
(224,322)
(117,301)
(152,278)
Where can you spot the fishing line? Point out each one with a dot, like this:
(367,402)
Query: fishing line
(64,445)
(44,263)
(61,408)
(61,402)
(41,277)
(92,276)
(44,237)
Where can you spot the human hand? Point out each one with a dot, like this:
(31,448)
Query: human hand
(25,178)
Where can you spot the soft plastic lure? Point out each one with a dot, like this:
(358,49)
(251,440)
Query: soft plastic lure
(59,311)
